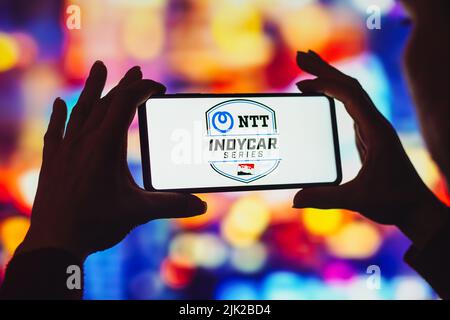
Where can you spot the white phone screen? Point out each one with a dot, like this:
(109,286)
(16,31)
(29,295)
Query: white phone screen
(241,142)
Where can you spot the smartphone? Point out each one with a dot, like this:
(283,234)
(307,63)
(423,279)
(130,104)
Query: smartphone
(201,143)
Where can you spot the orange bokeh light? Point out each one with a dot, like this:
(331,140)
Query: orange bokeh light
(175,275)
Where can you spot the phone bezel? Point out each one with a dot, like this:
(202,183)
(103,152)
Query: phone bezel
(145,152)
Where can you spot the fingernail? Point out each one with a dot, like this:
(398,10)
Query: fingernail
(301,55)
(297,202)
(315,54)
(162,88)
(297,206)
(196,205)
(57,100)
(97,64)
(300,86)
(136,68)
(135,71)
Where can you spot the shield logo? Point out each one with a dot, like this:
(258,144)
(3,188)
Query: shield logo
(243,140)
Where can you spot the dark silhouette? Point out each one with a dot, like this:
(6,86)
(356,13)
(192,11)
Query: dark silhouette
(86,199)
(387,189)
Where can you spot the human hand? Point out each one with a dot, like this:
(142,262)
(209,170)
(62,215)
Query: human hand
(87,199)
(387,189)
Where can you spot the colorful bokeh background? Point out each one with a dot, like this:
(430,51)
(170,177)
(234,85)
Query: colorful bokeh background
(249,245)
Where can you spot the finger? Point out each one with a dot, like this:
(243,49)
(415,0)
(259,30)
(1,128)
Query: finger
(312,63)
(333,197)
(360,146)
(130,76)
(89,96)
(124,104)
(55,130)
(124,163)
(157,205)
(98,113)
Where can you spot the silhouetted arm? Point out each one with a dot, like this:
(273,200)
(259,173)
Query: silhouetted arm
(87,200)
(432,261)
(42,274)
(387,189)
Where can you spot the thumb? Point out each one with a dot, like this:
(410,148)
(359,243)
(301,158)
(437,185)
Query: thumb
(124,104)
(55,131)
(160,205)
(335,197)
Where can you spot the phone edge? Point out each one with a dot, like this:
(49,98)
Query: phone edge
(145,152)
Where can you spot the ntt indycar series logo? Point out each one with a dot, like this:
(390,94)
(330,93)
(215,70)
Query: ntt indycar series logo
(243,142)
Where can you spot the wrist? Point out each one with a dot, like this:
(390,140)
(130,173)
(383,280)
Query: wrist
(37,239)
(422,223)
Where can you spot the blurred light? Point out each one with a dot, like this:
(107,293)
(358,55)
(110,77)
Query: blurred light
(358,289)
(293,245)
(103,274)
(28,49)
(237,30)
(133,145)
(356,240)
(237,290)
(28,183)
(12,232)
(322,222)
(316,289)
(370,72)
(211,251)
(284,213)
(326,291)
(338,271)
(385,6)
(247,220)
(143,33)
(174,275)
(421,160)
(308,27)
(249,259)
(410,288)
(75,66)
(198,250)
(182,249)
(40,79)
(440,189)
(9,52)
(146,285)
(274,197)
(269,8)
(348,38)
(280,202)
(282,285)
